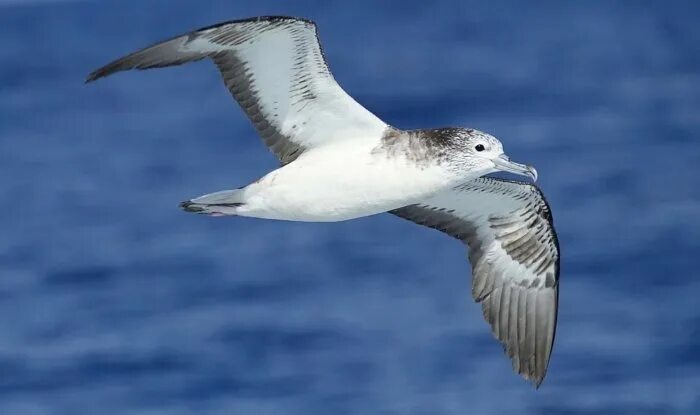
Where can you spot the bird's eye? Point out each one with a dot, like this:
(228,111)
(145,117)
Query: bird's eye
(479,147)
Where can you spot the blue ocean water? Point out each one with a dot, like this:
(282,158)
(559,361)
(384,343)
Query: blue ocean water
(113,301)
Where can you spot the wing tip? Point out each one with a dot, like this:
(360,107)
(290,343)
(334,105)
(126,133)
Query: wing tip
(536,382)
(534,377)
(122,64)
(95,75)
(125,63)
(531,365)
(104,71)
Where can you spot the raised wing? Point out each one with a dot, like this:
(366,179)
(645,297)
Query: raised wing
(514,254)
(275,69)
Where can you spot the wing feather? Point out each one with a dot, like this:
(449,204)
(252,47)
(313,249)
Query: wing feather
(275,69)
(514,254)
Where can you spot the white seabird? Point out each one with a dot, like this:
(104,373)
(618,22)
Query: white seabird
(339,161)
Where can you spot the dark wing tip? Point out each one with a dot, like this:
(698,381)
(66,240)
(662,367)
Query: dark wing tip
(109,69)
(535,378)
(190,206)
(136,60)
(167,53)
(100,73)
(524,323)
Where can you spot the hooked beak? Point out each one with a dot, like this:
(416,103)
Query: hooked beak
(503,163)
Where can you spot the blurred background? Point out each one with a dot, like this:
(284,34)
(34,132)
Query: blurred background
(113,301)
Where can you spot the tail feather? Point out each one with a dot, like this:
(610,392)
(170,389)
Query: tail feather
(222,203)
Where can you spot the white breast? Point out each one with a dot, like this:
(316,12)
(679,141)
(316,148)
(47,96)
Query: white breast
(339,182)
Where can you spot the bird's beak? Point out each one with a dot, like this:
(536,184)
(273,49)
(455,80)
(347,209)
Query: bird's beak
(503,163)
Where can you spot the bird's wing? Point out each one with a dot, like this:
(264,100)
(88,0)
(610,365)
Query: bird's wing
(275,69)
(514,254)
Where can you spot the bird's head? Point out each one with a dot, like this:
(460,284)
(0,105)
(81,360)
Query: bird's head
(483,154)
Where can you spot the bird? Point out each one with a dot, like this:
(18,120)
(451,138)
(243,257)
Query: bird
(339,161)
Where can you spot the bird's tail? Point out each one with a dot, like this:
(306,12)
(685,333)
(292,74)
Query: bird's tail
(223,203)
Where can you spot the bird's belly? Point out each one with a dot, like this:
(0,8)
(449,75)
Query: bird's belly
(315,205)
(329,192)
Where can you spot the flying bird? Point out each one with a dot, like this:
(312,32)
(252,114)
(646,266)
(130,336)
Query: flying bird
(339,161)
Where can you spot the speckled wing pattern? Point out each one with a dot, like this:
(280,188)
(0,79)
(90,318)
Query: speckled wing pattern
(514,254)
(274,67)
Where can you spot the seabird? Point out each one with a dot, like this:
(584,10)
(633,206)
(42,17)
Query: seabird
(339,161)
